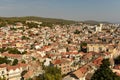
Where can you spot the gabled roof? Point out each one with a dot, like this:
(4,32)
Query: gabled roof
(12,55)
(28,74)
(98,61)
(81,72)
(60,61)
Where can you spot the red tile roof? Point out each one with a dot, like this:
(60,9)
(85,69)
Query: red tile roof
(3,65)
(28,74)
(80,72)
(19,65)
(60,61)
(12,67)
(12,55)
(98,61)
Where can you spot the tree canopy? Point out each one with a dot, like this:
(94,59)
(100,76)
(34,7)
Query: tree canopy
(51,73)
(4,60)
(15,62)
(104,72)
(12,50)
(83,47)
(77,32)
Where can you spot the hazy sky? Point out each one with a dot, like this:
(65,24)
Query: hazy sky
(101,10)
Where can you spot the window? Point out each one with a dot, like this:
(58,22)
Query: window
(107,50)
(100,49)
(2,72)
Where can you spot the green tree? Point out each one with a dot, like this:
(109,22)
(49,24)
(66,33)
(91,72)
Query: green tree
(4,60)
(83,47)
(83,44)
(13,51)
(32,25)
(15,62)
(51,73)
(25,38)
(2,50)
(24,52)
(104,72)
(77,32)
(23,73)
(33,58)
(2,24)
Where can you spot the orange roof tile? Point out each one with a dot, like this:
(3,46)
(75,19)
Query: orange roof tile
(28,74)
(3,65)
(80,72)
(12,55)
(98,61)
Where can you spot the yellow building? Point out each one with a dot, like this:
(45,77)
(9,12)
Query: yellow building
(101,47)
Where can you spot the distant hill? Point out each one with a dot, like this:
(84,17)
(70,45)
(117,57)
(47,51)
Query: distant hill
(49,20)
(42,19)
(92,22)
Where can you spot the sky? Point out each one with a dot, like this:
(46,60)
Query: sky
(100,10)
